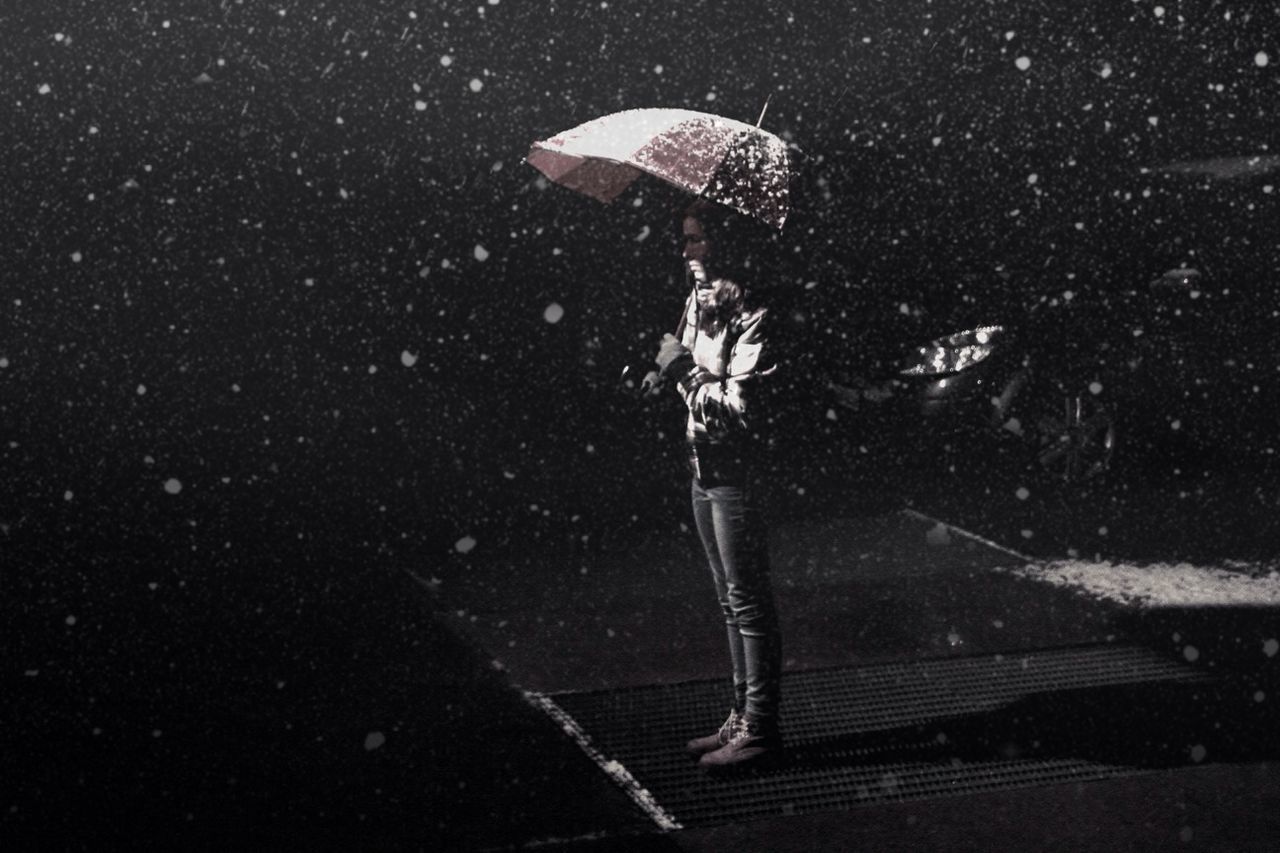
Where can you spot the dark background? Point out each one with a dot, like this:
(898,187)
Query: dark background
(275,278)
(244,240)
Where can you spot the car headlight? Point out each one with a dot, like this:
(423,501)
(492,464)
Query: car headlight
(953,353)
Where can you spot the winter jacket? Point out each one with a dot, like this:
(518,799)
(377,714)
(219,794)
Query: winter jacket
(724,387)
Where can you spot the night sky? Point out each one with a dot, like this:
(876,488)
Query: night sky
(278,282)
(278,269)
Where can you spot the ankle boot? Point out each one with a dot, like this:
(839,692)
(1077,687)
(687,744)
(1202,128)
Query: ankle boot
(754,742)
(702,745)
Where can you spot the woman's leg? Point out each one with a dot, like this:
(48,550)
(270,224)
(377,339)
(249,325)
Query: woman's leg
(703,518)
(742,568)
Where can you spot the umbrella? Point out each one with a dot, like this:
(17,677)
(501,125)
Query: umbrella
(727,161)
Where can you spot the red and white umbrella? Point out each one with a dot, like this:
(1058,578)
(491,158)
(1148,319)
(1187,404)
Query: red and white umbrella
(727,161)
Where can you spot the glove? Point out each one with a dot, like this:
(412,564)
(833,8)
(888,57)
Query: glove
(673,356)
(651,385)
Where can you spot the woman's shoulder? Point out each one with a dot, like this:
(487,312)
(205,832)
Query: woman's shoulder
(750,319)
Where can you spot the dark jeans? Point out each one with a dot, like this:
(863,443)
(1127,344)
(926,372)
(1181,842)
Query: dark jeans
(735,537)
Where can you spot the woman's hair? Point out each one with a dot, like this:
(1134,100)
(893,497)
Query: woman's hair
(746,259)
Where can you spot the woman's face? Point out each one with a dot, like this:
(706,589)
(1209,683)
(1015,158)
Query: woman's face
(696,246)
(696,252)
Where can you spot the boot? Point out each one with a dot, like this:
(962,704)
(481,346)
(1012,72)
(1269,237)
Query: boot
(754,742)
(702,745)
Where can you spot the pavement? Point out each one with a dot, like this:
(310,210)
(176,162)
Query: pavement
(1191,766)
(938,700)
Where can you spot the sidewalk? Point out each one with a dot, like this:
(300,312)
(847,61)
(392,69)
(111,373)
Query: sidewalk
(935,700)
(1226,808)
(887,587)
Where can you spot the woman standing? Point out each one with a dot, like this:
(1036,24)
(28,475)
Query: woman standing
(722,365)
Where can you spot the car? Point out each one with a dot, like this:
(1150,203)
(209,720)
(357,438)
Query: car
(1118,369)
(1011,379)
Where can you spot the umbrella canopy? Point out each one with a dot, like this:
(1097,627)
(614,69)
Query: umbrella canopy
(727,161)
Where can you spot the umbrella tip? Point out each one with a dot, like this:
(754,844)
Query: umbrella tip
(764,109)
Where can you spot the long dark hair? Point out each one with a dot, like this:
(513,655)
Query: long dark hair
(747,260)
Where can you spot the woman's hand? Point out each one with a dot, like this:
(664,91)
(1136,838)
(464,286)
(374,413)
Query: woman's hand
(672,352)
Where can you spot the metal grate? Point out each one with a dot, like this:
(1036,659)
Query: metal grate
(855,735)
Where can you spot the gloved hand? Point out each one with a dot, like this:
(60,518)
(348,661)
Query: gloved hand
(673,356)
(651,385)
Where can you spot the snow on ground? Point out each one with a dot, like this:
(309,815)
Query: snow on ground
(1163,584)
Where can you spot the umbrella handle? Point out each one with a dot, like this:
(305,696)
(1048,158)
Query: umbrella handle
(684,318)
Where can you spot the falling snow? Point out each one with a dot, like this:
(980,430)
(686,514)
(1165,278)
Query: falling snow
(216,223)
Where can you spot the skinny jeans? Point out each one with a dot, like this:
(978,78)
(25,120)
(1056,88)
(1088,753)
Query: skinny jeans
(735,536)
